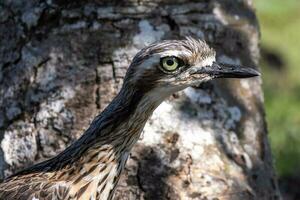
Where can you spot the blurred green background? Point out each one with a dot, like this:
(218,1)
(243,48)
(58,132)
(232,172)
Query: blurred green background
(280,63)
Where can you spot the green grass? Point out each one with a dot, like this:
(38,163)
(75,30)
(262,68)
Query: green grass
(280,28)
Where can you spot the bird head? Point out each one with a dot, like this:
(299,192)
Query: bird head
(173,65)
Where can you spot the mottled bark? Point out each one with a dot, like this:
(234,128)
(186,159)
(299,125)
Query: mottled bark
(61,62)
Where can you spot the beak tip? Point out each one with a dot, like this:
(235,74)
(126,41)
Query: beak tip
(254,73)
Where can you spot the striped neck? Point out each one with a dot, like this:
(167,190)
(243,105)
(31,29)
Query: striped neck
(109,141)
(91,167)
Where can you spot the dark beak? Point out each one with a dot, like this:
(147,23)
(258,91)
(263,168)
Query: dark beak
(219,70)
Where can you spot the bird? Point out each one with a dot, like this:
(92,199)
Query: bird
(91,167)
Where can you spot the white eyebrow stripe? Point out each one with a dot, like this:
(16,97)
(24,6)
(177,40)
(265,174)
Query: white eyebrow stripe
(176,53)
(206,62)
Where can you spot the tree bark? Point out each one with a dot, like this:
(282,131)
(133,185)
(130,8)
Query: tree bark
(61,62)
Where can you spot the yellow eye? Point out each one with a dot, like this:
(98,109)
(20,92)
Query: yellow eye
(170,63)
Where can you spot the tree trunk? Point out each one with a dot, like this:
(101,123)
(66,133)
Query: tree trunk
(61,62)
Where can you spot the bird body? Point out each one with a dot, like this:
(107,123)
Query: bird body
(90,168)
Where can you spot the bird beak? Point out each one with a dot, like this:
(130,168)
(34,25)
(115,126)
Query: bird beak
(220,70)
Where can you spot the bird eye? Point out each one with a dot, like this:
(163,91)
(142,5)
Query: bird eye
(170,63)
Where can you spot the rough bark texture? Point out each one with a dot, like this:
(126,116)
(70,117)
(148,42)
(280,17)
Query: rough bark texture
(61,62)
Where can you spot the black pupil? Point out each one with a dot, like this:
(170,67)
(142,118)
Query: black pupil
(170,62)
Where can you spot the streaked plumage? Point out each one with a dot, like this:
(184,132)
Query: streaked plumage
(90,168)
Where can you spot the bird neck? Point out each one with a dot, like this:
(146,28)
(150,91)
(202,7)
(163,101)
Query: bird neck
(92,165)
(124,117)
(98,157)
